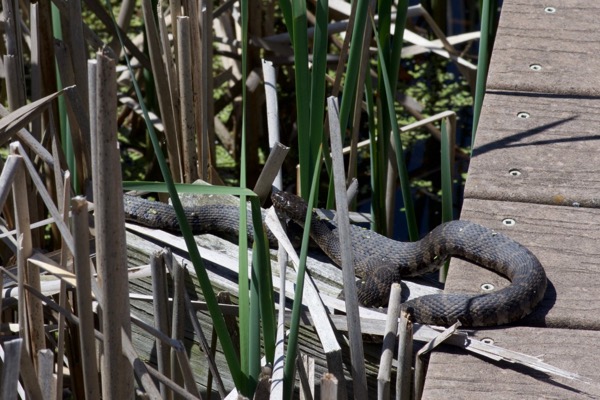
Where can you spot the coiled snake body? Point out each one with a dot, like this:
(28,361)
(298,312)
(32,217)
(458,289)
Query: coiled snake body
(380,261)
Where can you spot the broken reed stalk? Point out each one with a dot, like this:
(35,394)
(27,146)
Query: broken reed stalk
(9,377)
(329,386)
(389,344)
(166,90)
(321,318)
(63,300)
(196,41)
(205,116)
(177,318)
(271,169)
(111,250)
(306,372)
(420,367)
(45,361)
(161,317)
(185,70)
(83,273)
(278,365)
(359,375)
(405,357)
(29,377)
(139,367)
(270,80)
(31,322)
(181,304)
(208,352)
(186,372)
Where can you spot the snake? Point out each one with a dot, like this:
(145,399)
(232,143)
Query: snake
(220,219)
(380,261)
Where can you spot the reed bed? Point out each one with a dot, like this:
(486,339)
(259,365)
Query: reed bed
(145,91)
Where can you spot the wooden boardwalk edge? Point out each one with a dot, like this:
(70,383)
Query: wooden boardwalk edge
(535,163)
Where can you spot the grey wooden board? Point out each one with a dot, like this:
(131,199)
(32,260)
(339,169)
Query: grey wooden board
(564,43)
(457,375)
(565,240)
(326,275)
(556,150)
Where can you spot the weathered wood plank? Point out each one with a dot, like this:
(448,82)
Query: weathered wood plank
(566,242)
(224,277)
(551,157)
(460,376)
(564,43)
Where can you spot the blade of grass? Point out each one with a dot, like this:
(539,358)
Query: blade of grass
(485,49)
(447,130)
(354,62)
(377,161)
(19,118)
(250,366)
(262,266)
(303,83)
(397,42)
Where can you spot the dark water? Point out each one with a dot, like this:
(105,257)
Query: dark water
(424,155)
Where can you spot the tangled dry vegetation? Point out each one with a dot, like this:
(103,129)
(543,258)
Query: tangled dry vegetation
(72,119)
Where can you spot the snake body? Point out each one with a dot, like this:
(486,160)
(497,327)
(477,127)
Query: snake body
(219,219)
(380,261)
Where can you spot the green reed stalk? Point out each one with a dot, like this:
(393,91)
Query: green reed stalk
(354,61)
(303,83)
(63,121)
(488,17)
(392,51)
(446,167)
(249,338)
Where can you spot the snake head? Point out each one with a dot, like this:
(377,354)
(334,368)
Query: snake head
(290,205)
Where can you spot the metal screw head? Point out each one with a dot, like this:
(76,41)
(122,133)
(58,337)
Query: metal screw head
(488,287)
(523,115)
(550,10)
(535,67)
(514,172)
(487,340)
(509,222)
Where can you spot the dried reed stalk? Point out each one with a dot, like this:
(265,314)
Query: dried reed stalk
(111,250)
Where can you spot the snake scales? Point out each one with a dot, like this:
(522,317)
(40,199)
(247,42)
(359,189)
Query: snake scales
(380,261)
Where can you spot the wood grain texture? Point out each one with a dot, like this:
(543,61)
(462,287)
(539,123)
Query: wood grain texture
(566,242)
(563,43)
(555,151)
(454,374)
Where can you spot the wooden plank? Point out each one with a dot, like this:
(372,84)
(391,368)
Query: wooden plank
(469,377)
(551,157)
(566,242)
(564,43)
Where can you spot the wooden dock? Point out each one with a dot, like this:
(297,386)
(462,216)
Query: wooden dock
(534,176)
